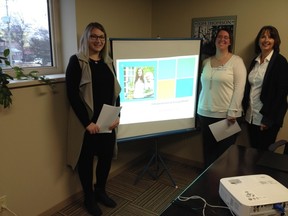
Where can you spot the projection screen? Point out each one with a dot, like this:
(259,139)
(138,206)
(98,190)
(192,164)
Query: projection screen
(159,80)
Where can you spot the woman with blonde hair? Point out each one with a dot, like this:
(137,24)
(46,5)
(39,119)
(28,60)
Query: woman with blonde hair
(91,82)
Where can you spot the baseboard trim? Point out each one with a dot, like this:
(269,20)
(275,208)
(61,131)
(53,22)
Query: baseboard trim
(62,204)
(78,195)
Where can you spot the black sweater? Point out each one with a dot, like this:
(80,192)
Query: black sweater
(274,91)
(103,88)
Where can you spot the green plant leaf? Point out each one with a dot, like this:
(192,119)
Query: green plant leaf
(5,93)
(7,63)
(6,52)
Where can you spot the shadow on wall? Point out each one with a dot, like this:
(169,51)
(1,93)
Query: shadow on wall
(247,54)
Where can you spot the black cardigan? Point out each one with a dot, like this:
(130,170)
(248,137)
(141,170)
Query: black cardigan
(274,91)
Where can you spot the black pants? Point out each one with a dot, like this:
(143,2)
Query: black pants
(102,146)
(211,148)
(262,139)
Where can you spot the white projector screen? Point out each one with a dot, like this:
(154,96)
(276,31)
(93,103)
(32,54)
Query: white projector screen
(159,80)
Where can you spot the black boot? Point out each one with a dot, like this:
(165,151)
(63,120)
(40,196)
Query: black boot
(102,197)
(92,206)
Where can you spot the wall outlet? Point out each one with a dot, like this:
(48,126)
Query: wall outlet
(3,202)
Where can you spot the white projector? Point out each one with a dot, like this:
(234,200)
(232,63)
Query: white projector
(254,195)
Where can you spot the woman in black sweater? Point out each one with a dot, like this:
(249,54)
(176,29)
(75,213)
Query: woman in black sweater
(265,100)
(91,83)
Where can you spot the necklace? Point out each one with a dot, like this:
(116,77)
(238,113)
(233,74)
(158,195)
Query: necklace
(218,63)
(222,60)
(211,78)
(214,70)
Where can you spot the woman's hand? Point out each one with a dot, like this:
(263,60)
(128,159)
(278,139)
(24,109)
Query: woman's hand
(263,127)
(115,123)
(92,128)
(231,120)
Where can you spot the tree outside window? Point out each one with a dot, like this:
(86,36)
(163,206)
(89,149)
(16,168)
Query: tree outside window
(25,30)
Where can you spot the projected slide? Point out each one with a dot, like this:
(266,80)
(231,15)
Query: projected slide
(161,88)
(158,78)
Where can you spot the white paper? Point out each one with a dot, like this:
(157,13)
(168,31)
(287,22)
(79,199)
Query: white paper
(107,116)
(222,129)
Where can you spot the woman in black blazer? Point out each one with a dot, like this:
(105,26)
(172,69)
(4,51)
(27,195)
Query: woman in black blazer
(265,99)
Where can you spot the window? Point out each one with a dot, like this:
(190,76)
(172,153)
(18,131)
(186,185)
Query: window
(29,30)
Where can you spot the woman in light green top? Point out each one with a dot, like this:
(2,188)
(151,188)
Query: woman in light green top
(222,80)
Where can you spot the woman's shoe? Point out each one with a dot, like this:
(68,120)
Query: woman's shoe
(92,206)
(102,197)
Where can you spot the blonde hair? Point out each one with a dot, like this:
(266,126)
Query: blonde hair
(84,41)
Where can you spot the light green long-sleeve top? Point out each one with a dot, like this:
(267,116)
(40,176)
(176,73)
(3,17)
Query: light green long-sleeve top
(222,89)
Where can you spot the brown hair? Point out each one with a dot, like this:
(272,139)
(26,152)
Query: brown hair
(273,34)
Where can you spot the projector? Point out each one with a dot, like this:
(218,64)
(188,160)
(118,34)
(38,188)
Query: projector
(254,195)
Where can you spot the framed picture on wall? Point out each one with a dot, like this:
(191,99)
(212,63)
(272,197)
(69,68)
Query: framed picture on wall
(207,27)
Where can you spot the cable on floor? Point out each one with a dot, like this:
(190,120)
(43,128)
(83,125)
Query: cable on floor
(184,199)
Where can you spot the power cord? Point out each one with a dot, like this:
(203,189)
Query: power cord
(6,208)
(184,199)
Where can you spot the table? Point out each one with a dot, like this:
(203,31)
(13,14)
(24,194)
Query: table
(236,161)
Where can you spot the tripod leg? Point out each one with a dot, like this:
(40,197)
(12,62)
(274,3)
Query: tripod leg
(166,169)
(157,157)
(145,169)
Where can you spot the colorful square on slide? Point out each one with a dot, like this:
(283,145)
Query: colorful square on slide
(184,88)
(165,89)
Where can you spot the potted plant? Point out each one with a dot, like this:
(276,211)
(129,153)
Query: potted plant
(5,93)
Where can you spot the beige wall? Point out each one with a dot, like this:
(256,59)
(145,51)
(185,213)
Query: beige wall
(125,18)
(174,19)
(33,173)
(32,145)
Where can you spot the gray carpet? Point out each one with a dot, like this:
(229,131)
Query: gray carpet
(148,197)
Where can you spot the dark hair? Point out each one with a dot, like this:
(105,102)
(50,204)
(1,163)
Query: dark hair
(273,34)
(216,35)
(83,46)
(141,77)
(230,37)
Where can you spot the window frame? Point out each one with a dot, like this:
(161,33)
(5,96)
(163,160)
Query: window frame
(55,38)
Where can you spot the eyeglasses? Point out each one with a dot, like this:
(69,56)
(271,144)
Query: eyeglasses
(96,37)
(223,37)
